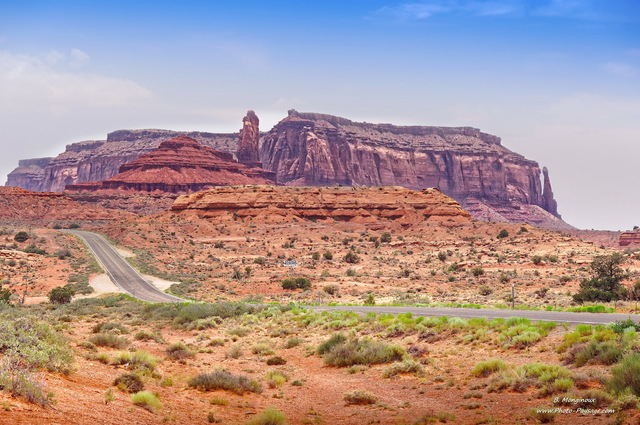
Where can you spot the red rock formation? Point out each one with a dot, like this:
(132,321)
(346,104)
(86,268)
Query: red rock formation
(366,205)
(470,166)
(249,140)
(23,205)
(179,165)
(96,160)
(630,238)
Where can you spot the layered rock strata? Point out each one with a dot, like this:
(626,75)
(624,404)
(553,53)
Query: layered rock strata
(630,238)
(96,160)
(23,205)
(307,149)
(350,204)
(179,165)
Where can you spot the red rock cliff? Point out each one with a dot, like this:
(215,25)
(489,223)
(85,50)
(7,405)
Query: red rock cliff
(307,149)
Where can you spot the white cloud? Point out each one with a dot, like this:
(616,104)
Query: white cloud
(42,81)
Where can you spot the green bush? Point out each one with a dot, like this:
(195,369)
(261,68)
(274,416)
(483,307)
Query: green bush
(61,295)
(336,339)
(179,351)
(109,327)
(605,282)
(139,360)
(351,257)
(503,234)
(626,375)
(276,361)
(220,379)
(296,283)
(405,367)
(146,400)
(488,367)
(129,382)
(361,397)
(364,352)
(109,340)
(21,236)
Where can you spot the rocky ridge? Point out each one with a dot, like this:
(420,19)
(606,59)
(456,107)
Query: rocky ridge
(492,182)
(630,238)
(23,205)
(179,165)
(361,205)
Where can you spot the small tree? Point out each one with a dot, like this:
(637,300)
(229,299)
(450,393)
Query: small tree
(5,295)
(385,237)
(503,234)
(21,237)
(61,295)
(605,283)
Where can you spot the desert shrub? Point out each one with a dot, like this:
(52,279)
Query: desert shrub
(620,326)
(109,327)
(20,381)
(296,283)
(240,331)
(138,360)
(351,258)
(293,342)
(179,351)
(276,361)
(626,375)
(220,379)
(331,289)
(488,367)
(21,236)
(405,367)
(109,340)
(234,352)
(485,290)
(61,295)
(261,348)
(270,416)
(385,237)
(334,340)
(129,382)
(544,415)
(432,417)
(146,400)
(477,271)
(328,255)
(363,351)
(503,234)
(184,314)
(275,378)
(536,259)
(360,397)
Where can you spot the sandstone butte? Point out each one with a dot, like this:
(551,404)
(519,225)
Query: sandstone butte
(179,165)
(630,238)
(20,204)
(308,149)
(362,205)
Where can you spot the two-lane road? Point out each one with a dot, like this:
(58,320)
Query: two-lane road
(121,273)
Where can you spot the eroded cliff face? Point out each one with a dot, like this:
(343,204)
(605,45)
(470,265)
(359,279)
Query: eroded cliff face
(472,167)
(364,205)
(630,238)
(96,160)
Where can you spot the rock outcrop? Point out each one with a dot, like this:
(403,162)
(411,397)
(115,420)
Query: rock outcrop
(22,205)
(364,205)
(307,149)
(179,165)
(249,141)
(630,238)
(96,160)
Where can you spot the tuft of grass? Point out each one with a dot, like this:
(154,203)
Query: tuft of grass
(626,376)
(488,367)
(275,378)
(293,342)
(336,339)
(147,400)
(179,351)
(116,328)
(405,367)
(217,401)
(234,352)
(361,397)
(261,348)
(139,360)
(270,416)
(220,379)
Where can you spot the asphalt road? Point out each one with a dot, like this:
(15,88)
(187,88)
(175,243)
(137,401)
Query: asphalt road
(121,273)
(548,316)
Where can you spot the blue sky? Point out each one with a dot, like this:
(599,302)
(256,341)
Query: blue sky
(558,80)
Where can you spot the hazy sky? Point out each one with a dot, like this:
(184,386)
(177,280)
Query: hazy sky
(557,80)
